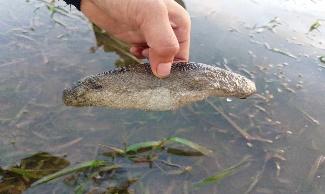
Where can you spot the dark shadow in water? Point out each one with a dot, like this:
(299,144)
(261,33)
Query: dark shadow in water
(112,44)
(41,166)
(18,178)
(181,3)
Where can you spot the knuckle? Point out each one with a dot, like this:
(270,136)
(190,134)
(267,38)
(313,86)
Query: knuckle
(152,9)
(185,19)
(154,6)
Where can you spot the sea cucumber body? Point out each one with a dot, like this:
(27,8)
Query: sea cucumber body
(135,87)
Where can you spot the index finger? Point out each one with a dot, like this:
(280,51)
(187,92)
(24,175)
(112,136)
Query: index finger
(160,37)
(181,24)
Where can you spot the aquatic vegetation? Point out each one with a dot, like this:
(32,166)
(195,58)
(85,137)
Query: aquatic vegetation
(69,170)
(270,25)
(308,117)
(315,168)
(241,131)
(224,173)
(53,8)
(270,156)
(160,145)
(18,178)
(315,26)
(277,50)
(194,146)
(144,146)
(111,44)
(322,59)
(42,168)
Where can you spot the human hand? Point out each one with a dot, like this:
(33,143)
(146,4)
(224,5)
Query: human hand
(156,29)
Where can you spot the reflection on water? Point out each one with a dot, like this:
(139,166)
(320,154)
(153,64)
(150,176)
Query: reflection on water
(111,44)
(281,128)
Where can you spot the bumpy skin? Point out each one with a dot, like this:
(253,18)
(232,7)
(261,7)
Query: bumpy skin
(135,87)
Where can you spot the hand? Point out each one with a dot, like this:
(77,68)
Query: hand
(156,29)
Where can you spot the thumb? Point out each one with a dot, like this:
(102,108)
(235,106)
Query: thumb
(161,40)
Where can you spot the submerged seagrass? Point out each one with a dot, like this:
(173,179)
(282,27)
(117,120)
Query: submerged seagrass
(135,87)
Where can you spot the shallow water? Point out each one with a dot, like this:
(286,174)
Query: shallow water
(40,57)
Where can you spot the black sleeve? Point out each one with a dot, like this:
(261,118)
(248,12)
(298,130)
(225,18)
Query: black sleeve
(75,3)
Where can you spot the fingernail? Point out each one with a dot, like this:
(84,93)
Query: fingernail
(163,69)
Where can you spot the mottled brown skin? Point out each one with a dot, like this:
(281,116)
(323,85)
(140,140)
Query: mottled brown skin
(135,87)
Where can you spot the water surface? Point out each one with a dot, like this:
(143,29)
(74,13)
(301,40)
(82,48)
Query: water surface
(266,41)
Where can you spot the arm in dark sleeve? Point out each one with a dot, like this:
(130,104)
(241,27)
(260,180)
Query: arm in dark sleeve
(75,3)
